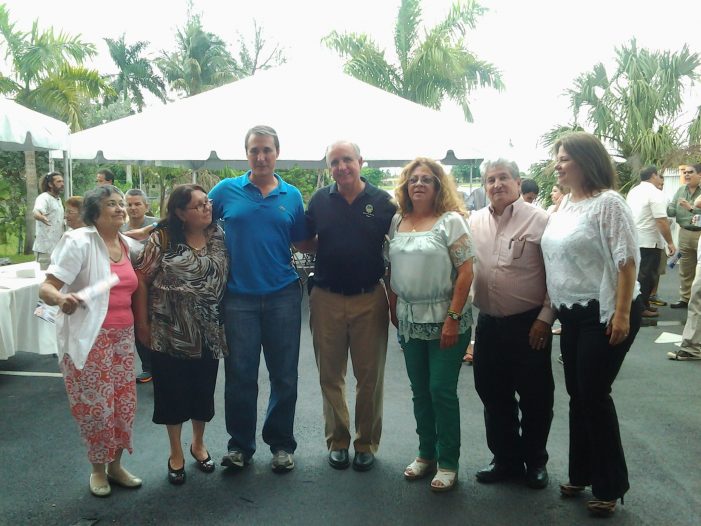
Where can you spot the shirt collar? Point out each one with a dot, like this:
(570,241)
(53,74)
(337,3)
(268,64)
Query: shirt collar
(510,210)
(281,184)
(368,186)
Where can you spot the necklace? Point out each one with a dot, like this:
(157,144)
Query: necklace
(420,224)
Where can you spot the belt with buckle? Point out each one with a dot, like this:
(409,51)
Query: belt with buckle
(349,291)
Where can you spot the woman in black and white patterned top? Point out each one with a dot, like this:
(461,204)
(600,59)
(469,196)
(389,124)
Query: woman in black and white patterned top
(182,279)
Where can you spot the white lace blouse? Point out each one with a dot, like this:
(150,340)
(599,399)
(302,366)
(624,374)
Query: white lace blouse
(584,245)
(423,274)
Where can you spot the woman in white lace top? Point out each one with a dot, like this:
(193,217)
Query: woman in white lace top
(430,255)
(591,260)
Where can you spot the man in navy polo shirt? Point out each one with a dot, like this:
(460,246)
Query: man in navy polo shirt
(263,216)
(348,304)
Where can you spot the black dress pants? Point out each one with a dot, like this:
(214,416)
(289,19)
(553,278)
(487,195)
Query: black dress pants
(504,365)
(591,365)
(649,272)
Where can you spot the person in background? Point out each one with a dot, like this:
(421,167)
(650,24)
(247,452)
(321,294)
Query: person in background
(476,200)
(137,206)
(662,269)
(557,195)
(649,208)
(592,257)
(431,311)
(512,340)
(529,190)
(48,213)
(182,279)
(73,213)
(348,309)
(104,176)
(682,209)
(96,344)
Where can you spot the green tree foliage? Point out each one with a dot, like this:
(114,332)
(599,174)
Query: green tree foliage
(429,70)
(634,109)
(374,176)
(467,172)
(47,75)
(135,72)
(303,179)
(254,57)
(200,61)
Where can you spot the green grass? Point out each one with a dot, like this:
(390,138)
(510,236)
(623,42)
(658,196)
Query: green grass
(9,250)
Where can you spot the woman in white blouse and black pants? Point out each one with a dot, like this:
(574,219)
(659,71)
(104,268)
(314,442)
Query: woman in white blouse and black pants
(591,261)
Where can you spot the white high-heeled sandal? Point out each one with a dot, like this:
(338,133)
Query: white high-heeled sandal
(418,469)
(444,480)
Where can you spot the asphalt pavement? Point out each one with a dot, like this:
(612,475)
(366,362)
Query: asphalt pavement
(44,470)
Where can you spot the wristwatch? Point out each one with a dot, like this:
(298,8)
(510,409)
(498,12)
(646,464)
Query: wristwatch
(454,315)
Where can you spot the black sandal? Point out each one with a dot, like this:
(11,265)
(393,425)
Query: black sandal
(176,476)
(206,465)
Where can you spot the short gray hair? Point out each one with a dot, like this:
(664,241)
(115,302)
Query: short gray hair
(331,146)
(510,166)
(92,202)
(136,192)
(262,130)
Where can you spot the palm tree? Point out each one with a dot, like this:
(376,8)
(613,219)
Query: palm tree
(47,75)
(431,69)
(635,109)
(200,62)
(135,72)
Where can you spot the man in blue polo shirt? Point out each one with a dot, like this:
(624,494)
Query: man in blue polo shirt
(348,304)
(263,216)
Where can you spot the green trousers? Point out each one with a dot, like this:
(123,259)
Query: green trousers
(433,373)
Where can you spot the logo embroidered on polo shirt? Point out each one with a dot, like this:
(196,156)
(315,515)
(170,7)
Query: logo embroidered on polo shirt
(369,210)
(282,208)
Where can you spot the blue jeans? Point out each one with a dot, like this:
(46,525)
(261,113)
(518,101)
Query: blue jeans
(272,321)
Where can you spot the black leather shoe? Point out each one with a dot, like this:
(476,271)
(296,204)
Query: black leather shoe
(496,472)
(338,458)
(363,461)
(681,304)
(537,478)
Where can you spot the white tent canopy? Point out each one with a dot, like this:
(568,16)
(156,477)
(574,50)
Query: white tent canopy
(22,129)
(309,110)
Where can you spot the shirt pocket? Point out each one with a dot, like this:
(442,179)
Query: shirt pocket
(511,250)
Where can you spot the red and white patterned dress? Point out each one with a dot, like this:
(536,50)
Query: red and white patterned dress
(102,395)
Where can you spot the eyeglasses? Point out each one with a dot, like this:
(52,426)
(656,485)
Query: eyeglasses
(424,179)
(202,206)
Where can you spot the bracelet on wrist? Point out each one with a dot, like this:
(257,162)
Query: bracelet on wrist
(454,315)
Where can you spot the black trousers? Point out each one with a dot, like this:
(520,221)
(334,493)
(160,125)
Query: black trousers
(504,365)
(649,272)
(591,366)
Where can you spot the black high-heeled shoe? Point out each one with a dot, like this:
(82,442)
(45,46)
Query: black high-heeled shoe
(176,476)
(206,465)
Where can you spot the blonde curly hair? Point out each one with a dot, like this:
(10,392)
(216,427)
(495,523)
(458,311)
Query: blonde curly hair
(447,198)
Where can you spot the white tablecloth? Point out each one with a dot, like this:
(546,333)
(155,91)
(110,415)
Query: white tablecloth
(20,330)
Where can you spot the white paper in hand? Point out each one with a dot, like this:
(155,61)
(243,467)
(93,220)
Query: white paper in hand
(88,294)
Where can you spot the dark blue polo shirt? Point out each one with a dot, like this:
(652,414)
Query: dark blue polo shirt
(259,231)
(349,254)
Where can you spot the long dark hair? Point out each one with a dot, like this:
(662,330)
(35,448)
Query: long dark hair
(592,158)
(179,198)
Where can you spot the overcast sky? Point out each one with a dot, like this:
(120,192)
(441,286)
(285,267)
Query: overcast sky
(540,46)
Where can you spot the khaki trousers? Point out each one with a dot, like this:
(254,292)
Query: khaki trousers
(691,337)
(358,323)
(688,245)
